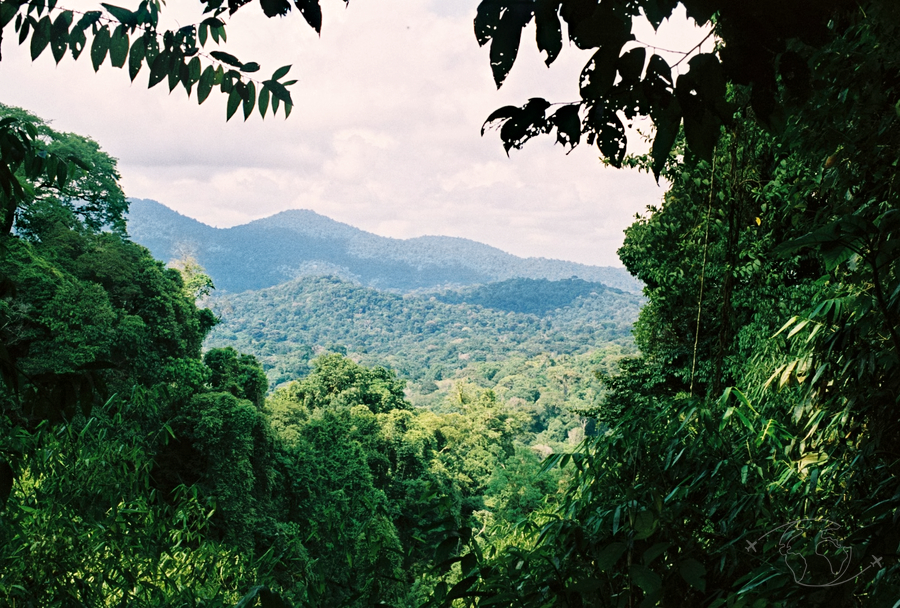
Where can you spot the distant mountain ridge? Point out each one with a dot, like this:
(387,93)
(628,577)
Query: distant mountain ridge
(297,243)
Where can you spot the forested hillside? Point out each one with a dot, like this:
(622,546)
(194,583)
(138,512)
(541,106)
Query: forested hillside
(298,243)
(420,336)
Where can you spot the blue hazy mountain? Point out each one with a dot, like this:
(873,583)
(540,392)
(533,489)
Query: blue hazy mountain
(298,243)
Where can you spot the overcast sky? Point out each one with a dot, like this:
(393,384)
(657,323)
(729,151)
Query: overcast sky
(385,132)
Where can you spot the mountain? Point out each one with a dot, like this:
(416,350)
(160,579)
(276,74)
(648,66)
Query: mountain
(418,334)
(297,243)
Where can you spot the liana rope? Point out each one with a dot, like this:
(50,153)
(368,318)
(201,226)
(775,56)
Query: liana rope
(712,181)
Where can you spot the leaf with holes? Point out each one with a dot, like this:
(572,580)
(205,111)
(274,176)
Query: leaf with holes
(312,12)
(568,125)
(205,84)
(99,47)
(506,38)
(136,58)
(548,28)
(59,35)
(598,74)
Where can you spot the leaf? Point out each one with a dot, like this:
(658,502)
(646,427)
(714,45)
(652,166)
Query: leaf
(263,102)
(312,12)
(693,572)
(159,69)
(176,70)
(136,57)
(487,18)
(118,47)
(506,38)
(701,128)
(658,10)
(812,459)
(250,67)
(275,8)
(609,133)
(62,174)
(249,100)
(655,551)
(645,578)
(226,58)
(525,124)
(41,37)
(194,70)
(205,84)
(609,555)
(99,47)
(122,15)
(598,74)
(665,112)
(267,599)
(631,64)
(644,524)
(234,100)
(59,35)
(281,72)
(279,92)
(505,113)
(25,28)
(548,28)
(8,10)
(568,125)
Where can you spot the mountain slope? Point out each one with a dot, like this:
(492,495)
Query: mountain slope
(296,243)
(417,334)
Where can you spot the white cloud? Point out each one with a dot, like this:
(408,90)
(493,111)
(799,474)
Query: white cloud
(385,133)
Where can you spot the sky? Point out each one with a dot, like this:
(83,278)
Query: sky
(384,135)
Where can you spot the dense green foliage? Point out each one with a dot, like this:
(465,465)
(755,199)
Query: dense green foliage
(135,471)
(299,243)
(418,335)
(745,457)
(749,455)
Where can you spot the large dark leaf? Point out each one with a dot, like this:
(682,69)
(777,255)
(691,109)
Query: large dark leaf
(631,64)
(506,38)
(275,8)
(568,124)
(549,30)
(701,127)
(312,12)
(521,124)
(598,74)
(667,119)
(487,19)
(658,10)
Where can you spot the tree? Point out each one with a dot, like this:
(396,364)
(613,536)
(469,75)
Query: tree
(88,188)
(236,373)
